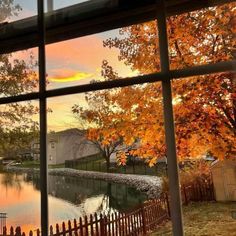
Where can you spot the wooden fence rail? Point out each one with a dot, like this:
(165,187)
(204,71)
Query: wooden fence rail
(139,221)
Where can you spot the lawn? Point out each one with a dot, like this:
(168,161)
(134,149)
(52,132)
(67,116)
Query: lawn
(36,164)
(205,219)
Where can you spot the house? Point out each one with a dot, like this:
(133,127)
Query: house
(65,145)
(224,179)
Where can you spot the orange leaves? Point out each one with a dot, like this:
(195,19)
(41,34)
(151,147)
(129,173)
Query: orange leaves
(204,106)
(121,158)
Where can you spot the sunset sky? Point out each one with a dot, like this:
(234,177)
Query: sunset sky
(71,63)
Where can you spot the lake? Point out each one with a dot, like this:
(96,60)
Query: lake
(69,198)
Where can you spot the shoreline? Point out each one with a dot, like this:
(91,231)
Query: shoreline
(150,185)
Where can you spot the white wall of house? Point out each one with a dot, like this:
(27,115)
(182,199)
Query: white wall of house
(68,145)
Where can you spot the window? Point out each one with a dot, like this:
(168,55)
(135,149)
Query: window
(73,22)
(52,145)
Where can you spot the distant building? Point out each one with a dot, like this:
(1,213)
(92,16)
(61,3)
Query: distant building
(65,145)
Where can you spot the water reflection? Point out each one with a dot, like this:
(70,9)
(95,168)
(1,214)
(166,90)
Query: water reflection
(68,198)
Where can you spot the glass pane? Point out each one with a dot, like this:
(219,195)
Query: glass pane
(58,4)
(119,131)
(202,37)
(19,73)
(204,115)
(101,57)
(13,10)
(20,197)
(205,134)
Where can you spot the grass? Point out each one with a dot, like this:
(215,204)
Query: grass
(205,219)
(36,164)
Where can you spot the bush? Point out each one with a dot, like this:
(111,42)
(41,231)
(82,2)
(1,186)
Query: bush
(197,172)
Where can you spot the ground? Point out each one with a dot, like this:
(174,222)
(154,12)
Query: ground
(205,219)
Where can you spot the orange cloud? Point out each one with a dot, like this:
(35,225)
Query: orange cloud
(67,75)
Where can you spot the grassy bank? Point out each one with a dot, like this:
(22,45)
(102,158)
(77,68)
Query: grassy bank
(36,164)
(208,219)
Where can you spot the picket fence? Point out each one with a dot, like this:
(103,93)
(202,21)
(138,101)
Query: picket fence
(202,190)
(137,222)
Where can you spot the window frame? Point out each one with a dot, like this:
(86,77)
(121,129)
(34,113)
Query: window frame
(159,12)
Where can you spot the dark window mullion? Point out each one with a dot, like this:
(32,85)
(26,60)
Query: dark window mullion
(172,164)
(43,120)
(150,78)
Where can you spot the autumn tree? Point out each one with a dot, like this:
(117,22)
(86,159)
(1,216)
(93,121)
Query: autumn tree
(99,119)
(16,77)
(204,106)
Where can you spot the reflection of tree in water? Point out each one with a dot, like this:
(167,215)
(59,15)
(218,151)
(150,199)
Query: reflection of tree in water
(10,180)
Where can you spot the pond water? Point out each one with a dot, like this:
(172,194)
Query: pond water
(69,198)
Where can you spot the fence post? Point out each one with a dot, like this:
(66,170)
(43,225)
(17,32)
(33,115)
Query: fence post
(102,225)
(18,231)
(86,225)
(51,231)
(81,226)
(11,231)
(4,231)
(144,220)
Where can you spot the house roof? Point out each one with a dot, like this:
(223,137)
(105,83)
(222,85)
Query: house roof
(73,131)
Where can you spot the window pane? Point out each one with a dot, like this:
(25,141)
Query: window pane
(204,115)
(202,37)
(20,195)
(126,121)
(58,4)
(17,10)
(19,73)
(100,57)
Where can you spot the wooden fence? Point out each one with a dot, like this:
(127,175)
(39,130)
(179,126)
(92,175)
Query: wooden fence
(139,221)
(202,190)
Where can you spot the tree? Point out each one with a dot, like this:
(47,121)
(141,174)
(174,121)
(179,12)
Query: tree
(8,9)
(101,123)
(16,77)
(204,106)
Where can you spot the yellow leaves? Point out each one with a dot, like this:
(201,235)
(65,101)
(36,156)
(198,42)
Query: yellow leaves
(152,162)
